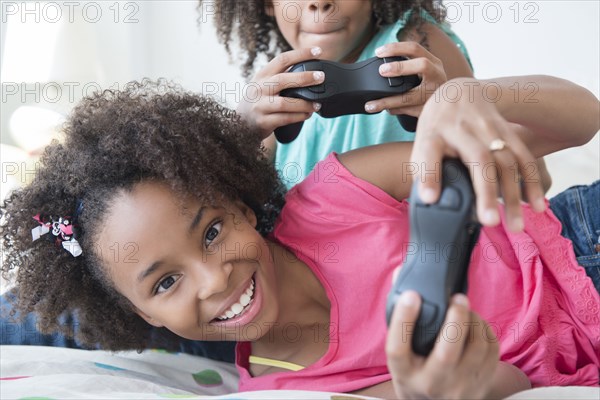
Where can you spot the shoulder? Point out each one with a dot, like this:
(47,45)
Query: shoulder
(345,188)
(386,166)
(445,45)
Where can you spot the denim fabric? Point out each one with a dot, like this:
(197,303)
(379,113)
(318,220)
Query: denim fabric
(25,332)
(578,210)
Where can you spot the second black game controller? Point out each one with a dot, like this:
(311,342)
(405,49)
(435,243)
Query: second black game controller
(442,237)
(346,89)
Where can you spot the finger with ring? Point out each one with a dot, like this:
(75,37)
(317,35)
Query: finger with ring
(497,145)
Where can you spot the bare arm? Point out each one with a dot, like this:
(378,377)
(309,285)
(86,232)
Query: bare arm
(459,120)
(455,65)
(558,113)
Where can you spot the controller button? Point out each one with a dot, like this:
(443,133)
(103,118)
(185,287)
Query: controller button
(298,68)
(396,81)
(315,66)
(450,199)
(318,89)
(428,314)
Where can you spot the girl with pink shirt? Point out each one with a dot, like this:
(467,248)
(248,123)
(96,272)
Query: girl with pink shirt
(164,214)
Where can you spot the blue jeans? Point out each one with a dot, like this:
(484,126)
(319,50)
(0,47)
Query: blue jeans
(578,209)
(25,332)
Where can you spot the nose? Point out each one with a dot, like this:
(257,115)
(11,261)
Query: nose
(321,6)
(213,280)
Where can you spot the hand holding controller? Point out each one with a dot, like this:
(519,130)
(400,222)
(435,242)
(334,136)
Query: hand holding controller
(448,226)
(346,89)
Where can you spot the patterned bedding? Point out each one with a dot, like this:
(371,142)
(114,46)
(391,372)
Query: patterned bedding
(36,372)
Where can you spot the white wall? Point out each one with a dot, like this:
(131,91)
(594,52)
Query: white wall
(135,39)
(531,37)
(559,38)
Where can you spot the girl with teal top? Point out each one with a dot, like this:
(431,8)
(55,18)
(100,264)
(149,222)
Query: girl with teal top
(288,32)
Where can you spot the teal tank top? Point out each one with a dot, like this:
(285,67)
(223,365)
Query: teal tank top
(321,136)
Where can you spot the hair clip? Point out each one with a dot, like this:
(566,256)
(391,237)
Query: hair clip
(61,228)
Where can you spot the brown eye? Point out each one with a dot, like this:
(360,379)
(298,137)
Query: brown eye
(166,283)
(212,232)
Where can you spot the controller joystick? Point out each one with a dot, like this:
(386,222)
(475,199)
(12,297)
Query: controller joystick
(346,89)
(450,227)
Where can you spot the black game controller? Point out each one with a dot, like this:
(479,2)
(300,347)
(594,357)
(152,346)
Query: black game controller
(346,89)
(443,235)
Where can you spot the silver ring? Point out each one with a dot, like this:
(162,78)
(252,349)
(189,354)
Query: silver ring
(497,145)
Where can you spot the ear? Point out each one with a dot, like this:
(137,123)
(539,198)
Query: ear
(148,318)
(269,8)
(248,212)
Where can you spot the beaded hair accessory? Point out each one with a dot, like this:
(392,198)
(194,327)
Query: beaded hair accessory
(62,230)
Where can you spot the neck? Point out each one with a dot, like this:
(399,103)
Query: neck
(354,54)
(301,296)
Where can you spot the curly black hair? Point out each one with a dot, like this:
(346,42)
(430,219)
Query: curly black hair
(257,33)
(114,140)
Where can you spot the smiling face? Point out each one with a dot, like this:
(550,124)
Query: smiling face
(341,28)
(202,272)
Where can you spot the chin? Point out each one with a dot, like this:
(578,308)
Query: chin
(331,56)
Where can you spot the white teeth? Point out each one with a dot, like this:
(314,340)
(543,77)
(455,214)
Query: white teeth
(245,300)
(237,308)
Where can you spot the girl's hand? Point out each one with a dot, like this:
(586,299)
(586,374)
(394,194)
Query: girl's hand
(462,363)
(421,62)
(459,121)
(261,105)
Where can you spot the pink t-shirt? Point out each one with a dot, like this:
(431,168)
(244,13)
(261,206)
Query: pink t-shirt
(527,286)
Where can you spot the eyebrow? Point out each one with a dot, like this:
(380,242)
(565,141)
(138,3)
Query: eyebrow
(149,271)
(196,219)
(156,265)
